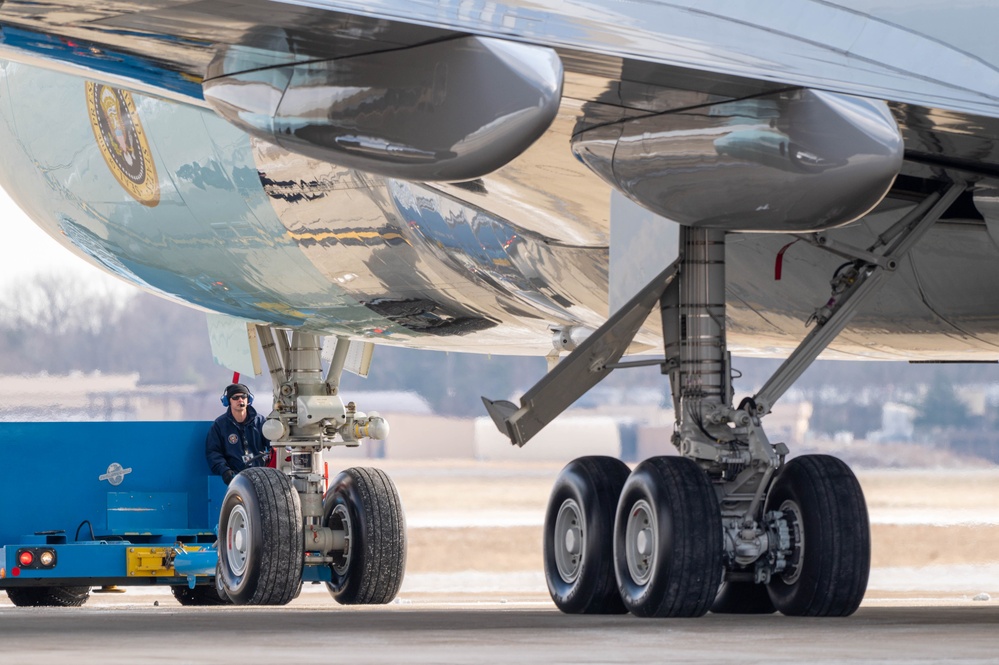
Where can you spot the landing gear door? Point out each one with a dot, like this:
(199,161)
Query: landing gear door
(642,244)
(234,343)
(358,355)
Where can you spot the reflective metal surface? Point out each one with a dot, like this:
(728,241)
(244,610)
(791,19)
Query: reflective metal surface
(932,54)
(795,161)
(264,234)
(427,263)
(452,110)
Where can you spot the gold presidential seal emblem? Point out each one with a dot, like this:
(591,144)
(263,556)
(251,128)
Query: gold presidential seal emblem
(122,142)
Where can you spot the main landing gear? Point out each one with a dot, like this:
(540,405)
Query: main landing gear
(277,529)
(727,525)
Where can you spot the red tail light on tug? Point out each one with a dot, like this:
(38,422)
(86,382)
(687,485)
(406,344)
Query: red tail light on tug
(37,557)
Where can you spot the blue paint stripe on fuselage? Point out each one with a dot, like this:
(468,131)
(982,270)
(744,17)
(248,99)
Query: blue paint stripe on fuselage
(102,58)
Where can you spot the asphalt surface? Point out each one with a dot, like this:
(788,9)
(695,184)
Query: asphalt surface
(158,630)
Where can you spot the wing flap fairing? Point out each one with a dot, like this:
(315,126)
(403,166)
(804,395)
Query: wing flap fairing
(453,110)
(796,161)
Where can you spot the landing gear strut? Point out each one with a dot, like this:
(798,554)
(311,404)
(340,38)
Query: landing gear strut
(727,526)
(276,527)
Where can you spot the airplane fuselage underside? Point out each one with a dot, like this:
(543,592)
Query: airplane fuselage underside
(176,200)
(601,178)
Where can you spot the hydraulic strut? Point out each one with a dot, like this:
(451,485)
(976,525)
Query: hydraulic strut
(728,442)
(308,417)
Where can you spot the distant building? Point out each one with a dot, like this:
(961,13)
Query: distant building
(79,396)
(896,423)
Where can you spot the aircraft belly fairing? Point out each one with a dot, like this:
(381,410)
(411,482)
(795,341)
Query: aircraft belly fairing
(450,110)
(794,161)
(328,248)
(249,230)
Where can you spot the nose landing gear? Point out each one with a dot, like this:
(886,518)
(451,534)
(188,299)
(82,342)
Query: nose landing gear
(276,527)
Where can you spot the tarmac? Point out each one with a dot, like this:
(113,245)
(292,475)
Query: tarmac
(148,626)
(478,595)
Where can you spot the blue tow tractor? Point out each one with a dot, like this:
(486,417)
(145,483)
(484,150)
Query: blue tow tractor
(134,505)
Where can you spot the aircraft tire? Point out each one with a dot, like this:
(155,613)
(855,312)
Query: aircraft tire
(831,538)
(579,536)
(668,540)
(261,544)
(202,595)
(365,504)
(49,596)
(743,598)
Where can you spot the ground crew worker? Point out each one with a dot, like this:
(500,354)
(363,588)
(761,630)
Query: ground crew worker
(235,441)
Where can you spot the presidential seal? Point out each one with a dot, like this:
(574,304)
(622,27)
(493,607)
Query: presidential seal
(122,142)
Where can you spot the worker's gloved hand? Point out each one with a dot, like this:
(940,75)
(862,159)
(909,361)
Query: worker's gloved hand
(228,475)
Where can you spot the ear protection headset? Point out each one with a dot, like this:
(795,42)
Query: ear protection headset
(225,399)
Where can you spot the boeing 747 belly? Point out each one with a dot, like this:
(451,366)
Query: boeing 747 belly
(537,178)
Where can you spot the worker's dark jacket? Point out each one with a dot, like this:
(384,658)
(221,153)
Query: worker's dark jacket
(232,445)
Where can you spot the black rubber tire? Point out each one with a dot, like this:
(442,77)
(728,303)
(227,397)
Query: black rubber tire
(681,576)
(593,485)
(829,577)
(370,570)
(202,595)
(219,581)
(49,596)
(274,545)
(743,598)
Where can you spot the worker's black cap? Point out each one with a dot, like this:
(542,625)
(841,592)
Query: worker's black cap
(236,389)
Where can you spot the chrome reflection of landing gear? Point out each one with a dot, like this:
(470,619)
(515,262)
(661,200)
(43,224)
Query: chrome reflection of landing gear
(830,545)
(668,540)
(578,532)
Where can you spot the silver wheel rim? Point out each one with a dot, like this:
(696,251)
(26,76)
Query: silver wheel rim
(340,519)
(568,540)
(237,540)
(641,538)
(792,513)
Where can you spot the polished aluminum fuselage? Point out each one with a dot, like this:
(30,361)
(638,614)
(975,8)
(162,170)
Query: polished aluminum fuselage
(250,230)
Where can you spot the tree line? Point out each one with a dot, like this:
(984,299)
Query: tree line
(55,323)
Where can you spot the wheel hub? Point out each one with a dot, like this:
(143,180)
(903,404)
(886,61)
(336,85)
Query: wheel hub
(792,515)
(641,537)
(340,521)
(237,540)
(569,534)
